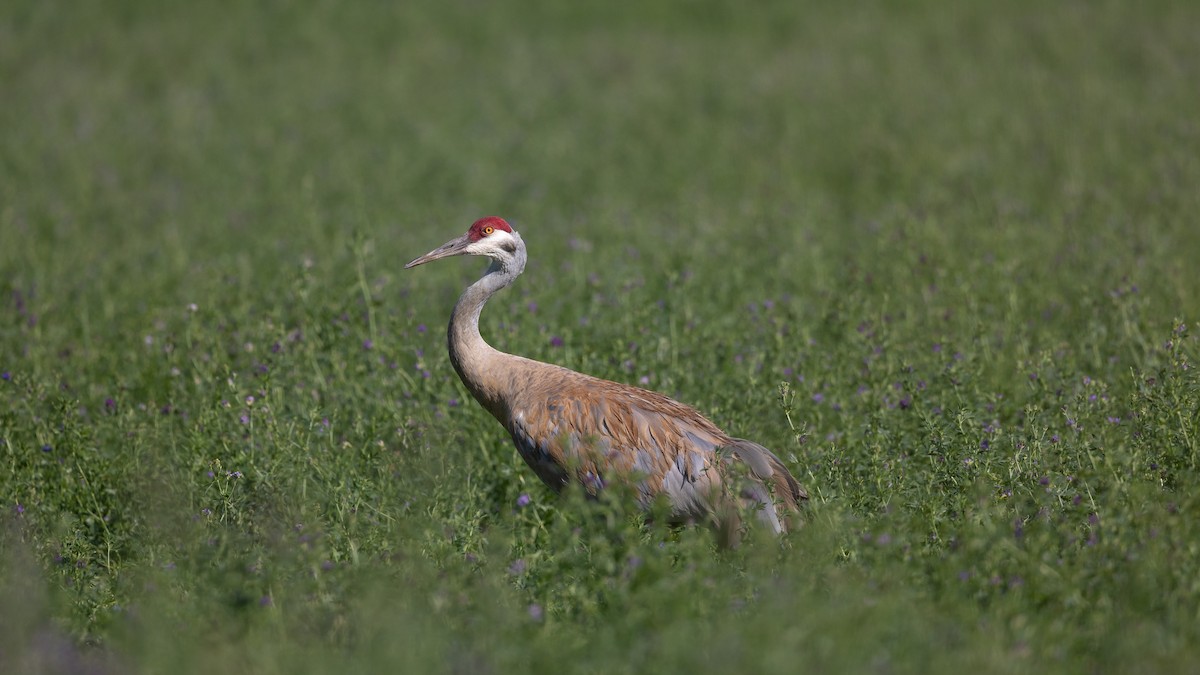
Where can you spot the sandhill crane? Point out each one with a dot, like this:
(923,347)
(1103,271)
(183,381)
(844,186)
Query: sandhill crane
(567,425)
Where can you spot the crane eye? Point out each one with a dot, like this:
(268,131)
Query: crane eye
(488,230)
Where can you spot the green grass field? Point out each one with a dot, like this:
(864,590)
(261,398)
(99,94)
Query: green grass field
(942,257)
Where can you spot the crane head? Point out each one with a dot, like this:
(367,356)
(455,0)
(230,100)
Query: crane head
(491,237)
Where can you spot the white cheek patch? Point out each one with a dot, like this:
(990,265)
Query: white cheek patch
(478,248)
(498,243)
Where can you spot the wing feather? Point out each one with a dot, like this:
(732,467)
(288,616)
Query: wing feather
(568,424)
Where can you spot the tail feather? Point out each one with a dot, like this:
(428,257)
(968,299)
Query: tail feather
(786,484)
(768,469)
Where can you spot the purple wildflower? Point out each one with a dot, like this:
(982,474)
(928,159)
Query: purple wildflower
(6,376)
(517,568)
(524,500)
(421,328)
(818,398)
(368,344)
(556,341)
(535,612)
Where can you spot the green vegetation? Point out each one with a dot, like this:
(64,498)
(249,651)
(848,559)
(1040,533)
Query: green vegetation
(940,257)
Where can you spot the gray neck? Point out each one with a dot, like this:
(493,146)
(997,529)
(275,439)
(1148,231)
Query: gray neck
(481,367)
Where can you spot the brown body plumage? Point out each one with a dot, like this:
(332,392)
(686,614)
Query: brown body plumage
(570,426)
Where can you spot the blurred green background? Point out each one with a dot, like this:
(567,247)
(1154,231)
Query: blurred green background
(939,256)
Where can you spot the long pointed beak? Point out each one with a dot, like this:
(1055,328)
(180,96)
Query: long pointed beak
(453,247)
